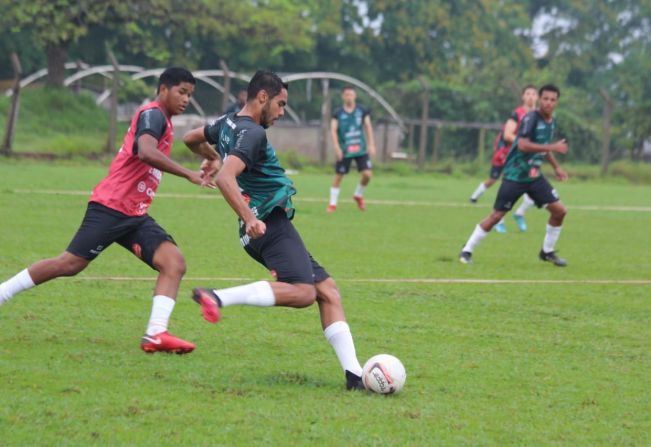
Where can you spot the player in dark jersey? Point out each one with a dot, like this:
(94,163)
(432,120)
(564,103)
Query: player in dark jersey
(117,211)
(522,175)
(241,101)
(352,139)
(256,187)
(503,143)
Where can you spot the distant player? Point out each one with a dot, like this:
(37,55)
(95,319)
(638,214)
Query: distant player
(522,175)
(503,143)
(117,211)
(352,138)
(241,101)
(256,187)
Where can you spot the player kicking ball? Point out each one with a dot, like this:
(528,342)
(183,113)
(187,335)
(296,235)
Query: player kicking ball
(117,211)
(522,175)
(256,187)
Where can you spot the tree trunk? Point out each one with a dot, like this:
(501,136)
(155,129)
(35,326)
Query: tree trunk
(56,53)
(605,145)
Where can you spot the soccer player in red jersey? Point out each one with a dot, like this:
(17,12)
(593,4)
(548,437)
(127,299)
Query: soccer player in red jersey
(502,145)
(117,211)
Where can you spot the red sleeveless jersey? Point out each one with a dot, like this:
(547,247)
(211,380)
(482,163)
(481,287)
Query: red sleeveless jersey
(131,184)
(500,146)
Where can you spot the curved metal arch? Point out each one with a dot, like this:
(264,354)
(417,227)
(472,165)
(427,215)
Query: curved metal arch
(43,72)
(101,69)
(349,79)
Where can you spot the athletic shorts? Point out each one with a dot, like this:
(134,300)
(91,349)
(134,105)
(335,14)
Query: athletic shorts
(540,191)
(281,251)
(102,226)
(363,164)
(496,171)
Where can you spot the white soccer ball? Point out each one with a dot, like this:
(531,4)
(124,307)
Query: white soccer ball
(384,374)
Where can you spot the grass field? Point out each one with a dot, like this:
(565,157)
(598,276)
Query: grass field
(536,355)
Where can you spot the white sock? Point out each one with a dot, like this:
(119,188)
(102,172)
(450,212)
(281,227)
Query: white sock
(18,283)
(255,294)
(359,191)
(525,205)
(479,191)
(161,310)
(334,195)
(475,239)
(339,336)
(551,236)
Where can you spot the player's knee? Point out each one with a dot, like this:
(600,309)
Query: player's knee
(174,266)
(305,295)
(68,265)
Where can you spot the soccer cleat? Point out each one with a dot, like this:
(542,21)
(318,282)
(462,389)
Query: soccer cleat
(500,228)
(473,200)
(522,224)
(165,342)
(465,257)
(331,208)
(360,202)
(551,257)
(354,382)
(209,302)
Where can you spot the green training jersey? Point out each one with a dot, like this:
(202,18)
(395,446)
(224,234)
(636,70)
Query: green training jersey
(350,130)
(522,166)
(263,182)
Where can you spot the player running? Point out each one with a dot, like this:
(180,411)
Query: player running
(117,211)
(352,138)
(522,175)
(256,187)
(503,143)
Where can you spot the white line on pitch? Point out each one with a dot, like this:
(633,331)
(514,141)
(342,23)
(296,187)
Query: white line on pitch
(643,209)
(633,282)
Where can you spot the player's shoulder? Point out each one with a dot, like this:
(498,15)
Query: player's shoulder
(337,111)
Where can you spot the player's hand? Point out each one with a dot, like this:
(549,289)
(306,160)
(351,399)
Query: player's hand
(255,229)
(196,177)
(560,147)
(561,174)
(371,150)
(209,169)
(338,154)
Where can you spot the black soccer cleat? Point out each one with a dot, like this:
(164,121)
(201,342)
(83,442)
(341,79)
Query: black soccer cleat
(551,257)
(354,382)
(473,200)
(465,257)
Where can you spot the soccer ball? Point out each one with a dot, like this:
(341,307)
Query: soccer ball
(384,374)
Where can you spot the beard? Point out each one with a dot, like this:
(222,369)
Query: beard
(265,117)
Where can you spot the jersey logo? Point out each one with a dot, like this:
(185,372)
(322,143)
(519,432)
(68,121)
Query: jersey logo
(230,123)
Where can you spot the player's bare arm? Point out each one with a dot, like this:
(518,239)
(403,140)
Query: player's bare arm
(334,126)
(148,153)
(370,138)
(195,140)
(227,184)
(510,129)
(526,145)
(561,174)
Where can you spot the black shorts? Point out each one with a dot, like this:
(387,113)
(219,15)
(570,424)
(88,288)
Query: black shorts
(102,226)
(496,171)
(363,164)
(282,251)
(540,191)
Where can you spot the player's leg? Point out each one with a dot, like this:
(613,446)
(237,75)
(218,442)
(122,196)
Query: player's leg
(494,174)
(98,229)
(341,168)
(280,250)
(151,244)
(544,195)
(336,329)
(518,215)
(507,195)
(365,168)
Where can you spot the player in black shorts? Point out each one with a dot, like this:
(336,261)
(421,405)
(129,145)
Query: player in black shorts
(522,175)
(352,139)
(256,187)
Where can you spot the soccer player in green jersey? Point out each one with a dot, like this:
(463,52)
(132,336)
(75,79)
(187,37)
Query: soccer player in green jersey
(522,175)
(352,138)
(256,187)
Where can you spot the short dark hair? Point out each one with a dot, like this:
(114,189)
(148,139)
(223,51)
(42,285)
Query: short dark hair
(527,87)
(347,87)
(174,76)
(550,88)
(267,81)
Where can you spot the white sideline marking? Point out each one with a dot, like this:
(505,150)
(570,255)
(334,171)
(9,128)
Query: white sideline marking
(642,209)
(632,282)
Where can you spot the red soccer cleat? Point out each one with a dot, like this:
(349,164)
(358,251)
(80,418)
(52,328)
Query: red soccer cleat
(331,208)
(165,342)
(360,202)
(209,302)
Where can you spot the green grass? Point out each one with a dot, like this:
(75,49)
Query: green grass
(487,364)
